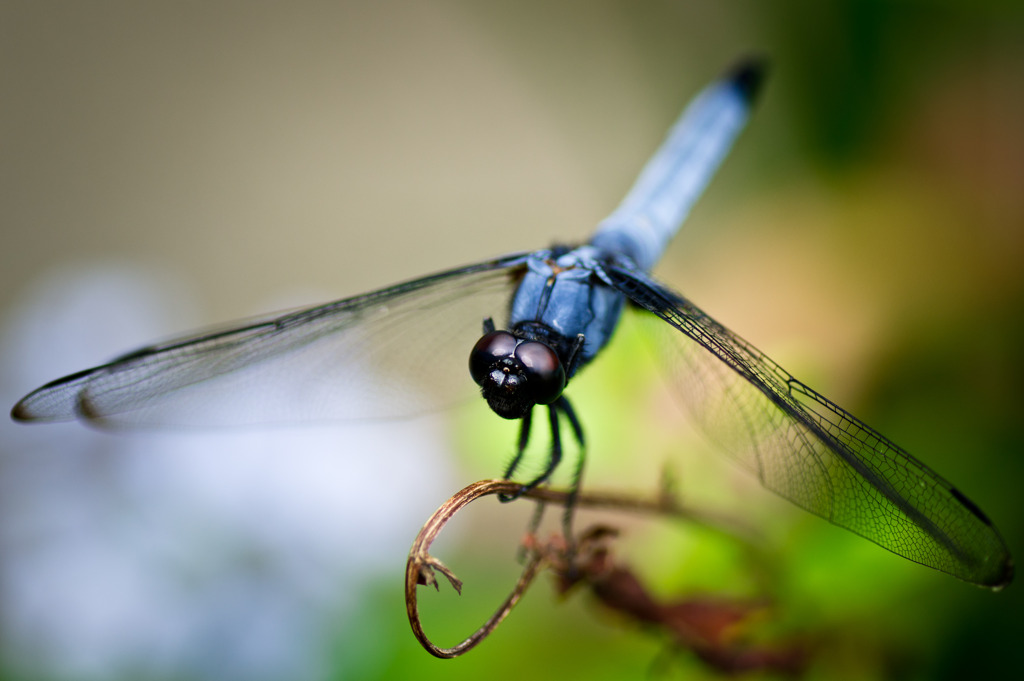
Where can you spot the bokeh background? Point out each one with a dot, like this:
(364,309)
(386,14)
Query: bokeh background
(166,166)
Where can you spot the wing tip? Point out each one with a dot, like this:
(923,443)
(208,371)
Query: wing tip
(22,413)
(1005,577)
(27,411)
(49,403)
(747,75)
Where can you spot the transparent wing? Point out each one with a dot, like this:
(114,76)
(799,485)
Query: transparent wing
(808,450)
(398,351)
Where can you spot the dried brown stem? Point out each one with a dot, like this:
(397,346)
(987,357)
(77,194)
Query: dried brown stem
(421,565)
(419,569)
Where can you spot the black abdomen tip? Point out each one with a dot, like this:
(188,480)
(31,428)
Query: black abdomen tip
(747,76)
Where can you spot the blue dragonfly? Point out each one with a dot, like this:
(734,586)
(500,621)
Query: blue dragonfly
(558,307)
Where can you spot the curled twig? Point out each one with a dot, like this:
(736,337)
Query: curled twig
(421,565)
(419,569)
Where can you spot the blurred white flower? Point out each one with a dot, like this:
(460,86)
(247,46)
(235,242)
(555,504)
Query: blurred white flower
(216,554)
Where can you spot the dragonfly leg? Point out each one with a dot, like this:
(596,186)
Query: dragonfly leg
(553,461)
(556,450)
(577,475)
(524,439)
(570,369)
(562,406)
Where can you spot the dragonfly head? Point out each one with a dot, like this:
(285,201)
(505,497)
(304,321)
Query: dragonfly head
(514,374)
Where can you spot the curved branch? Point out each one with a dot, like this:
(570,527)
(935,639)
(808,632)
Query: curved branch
(419,569)
(420,566)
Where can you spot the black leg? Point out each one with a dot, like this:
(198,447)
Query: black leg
(553,460)
(556,449)
(524,439)
(577,476)
(570,414)
(574,355)
(561,405)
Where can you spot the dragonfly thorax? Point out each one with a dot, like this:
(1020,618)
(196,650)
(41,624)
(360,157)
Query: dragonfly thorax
(515,373)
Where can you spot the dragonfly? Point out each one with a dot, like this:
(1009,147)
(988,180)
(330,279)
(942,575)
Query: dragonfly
(401,351)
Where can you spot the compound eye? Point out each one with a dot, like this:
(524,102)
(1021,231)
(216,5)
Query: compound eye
(493,347)
(545,377)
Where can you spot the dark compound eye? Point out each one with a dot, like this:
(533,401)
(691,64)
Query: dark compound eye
(494,346)
(545,377)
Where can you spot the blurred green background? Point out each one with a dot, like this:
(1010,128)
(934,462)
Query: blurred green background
(867,232)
